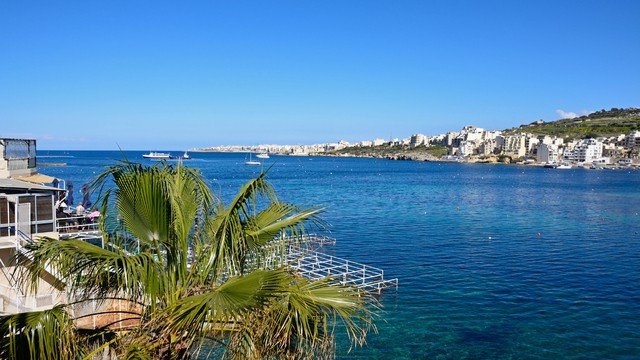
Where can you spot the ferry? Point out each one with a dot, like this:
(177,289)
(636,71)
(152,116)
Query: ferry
(157,156)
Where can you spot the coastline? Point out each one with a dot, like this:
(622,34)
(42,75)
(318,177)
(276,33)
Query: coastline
(421,157)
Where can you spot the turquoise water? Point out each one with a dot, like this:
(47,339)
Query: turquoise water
(494,261)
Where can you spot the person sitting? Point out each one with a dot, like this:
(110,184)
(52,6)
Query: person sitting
(80,210)
(92,216)
(60,206)
(80,215)
(62,216)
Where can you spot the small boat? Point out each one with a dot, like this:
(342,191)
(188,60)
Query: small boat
(262,156)
(182,157)
(564,166)
(157,156)
(251,162)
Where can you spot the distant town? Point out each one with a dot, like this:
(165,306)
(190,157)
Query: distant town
(523,145)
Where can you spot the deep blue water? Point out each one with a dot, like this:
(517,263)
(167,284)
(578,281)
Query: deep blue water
(494,261)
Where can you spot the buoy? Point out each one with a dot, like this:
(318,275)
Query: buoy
(538,234)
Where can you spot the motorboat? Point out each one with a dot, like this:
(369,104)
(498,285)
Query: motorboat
(262,156)
(564,166)
(157,156)
(185,156)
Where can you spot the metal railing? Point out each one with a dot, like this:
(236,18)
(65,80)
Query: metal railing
(318,265)
(75,224)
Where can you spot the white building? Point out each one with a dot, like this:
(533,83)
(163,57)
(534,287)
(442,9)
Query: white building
(531,143)
(472,133)
(466,148)
(588,151)
(417,140)
(515,145)
(547,153)
(632,139)
(488,147)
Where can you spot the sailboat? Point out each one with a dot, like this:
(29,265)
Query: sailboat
(251,162)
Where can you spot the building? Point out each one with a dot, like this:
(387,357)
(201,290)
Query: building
(547,153)
(417,140)
(632,143)
(18,158)
(466,148)
(515,145)
(488,147)
(378,142)
(588,151)
(26,211)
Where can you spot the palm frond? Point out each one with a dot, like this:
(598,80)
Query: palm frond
(222,309)
(89,271)
(278,217)
(240,230)
(160,206)
(48,334)
(247,197)
(299,323)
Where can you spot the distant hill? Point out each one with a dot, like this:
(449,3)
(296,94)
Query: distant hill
(600,123)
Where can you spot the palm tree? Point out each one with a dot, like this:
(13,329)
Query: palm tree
(193,273)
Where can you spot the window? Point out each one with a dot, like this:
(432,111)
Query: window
(44,207)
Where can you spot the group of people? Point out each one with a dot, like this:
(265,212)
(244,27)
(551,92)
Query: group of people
(91,216)
(80,216)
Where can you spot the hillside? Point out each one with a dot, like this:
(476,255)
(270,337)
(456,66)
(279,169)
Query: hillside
(600,123)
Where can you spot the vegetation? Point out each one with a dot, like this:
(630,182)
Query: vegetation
(202,275)
(600,123)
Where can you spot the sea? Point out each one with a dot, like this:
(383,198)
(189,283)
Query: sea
(493,261)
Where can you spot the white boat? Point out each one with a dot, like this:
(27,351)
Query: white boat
(564,166)
(262,156)
(157,155)
(182,157)
(251,162)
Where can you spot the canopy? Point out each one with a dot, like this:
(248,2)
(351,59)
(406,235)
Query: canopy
(38,179)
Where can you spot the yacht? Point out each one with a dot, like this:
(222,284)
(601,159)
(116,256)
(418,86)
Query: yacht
(262,156)
(252,162)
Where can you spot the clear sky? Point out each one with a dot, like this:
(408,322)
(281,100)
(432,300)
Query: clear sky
(155,75)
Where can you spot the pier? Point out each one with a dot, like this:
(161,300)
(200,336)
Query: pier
(304,254)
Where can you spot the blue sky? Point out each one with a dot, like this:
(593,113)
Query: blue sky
(154,75)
